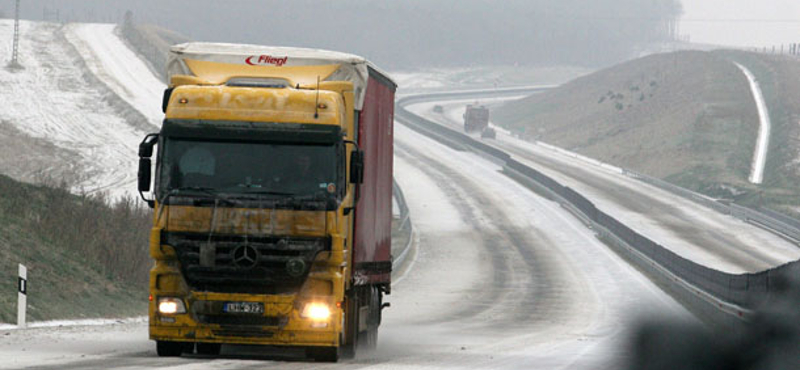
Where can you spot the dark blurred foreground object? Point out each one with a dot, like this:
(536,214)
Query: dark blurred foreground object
(771,341)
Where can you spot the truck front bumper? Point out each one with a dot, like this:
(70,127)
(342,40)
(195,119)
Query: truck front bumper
(251,335)
(280,324)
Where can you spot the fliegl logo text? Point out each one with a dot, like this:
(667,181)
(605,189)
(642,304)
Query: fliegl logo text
(262,60)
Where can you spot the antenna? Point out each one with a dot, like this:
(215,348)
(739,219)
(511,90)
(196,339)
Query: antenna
(316,103)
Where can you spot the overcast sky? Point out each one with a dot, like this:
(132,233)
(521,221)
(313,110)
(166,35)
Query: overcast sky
(746,23)
(742,22)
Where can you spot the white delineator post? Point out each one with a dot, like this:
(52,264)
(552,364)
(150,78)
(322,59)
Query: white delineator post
(22,302)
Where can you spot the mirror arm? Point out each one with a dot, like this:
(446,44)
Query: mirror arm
(150,202)
(352,143)
(146,146)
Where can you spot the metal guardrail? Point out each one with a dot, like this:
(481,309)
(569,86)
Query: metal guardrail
(397,192)
(743,292)
(405,223)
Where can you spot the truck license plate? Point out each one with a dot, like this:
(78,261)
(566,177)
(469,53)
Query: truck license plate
(243,307)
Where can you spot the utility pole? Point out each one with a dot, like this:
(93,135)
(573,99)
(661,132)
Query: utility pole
(14,64)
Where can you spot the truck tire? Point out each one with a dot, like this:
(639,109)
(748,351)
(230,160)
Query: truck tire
(368,340)
(208,349)
(169,349)
(323,354)
(350,339)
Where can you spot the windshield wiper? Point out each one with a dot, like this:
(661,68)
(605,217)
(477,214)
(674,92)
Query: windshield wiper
(289,198)
(201,189)
(268,192)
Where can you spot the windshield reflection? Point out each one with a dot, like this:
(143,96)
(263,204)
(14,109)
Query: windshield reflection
(249,168)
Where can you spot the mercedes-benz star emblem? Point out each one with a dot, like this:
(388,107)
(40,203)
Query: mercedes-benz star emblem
(245,256)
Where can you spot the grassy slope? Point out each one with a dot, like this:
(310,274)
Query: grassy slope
(687,117)
(75,249)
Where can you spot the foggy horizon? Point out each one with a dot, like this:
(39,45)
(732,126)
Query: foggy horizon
(541,33)
(446,33)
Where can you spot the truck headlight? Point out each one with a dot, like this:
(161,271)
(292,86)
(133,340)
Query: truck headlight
(316,311)
(171,305)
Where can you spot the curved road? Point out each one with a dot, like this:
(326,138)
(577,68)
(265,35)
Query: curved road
(693,231)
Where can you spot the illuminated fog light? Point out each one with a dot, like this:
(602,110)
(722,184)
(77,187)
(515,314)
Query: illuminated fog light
(170,305)
(316,311)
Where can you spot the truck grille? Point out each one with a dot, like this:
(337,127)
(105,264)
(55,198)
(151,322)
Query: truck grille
(235,264)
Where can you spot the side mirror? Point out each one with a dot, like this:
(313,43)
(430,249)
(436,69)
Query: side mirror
(165,99)
(144,174)
(357,167)
(146,146)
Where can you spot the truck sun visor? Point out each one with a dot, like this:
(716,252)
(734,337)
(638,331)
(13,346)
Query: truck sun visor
(252,131)
(220,62)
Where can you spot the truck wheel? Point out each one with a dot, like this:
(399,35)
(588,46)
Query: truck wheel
(350,338)
(169,349)
(368,341)
(209,349)
(323,354)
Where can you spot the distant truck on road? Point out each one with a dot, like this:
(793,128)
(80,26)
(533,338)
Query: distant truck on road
(273,200)
(476,118)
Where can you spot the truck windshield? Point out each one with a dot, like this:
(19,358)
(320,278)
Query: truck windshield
(249,168)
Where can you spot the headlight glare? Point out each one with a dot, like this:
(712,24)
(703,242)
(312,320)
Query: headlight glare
(316,311)
(171,305)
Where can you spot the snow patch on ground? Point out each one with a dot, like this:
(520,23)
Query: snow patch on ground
(63,323)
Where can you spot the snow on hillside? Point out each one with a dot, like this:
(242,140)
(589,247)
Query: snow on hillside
(119,67)
(55,99)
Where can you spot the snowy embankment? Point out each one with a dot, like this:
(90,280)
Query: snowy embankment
(98,115)
(119,68)
(764,127)
(53,99)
